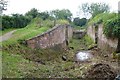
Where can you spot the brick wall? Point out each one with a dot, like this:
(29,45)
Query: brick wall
(104,43)
(55,37)
(78,34)
(91,32)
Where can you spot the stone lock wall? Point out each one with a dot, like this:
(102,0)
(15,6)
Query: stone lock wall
(78,34)
(69,32)
(91,32)
(104,43)
(56,37)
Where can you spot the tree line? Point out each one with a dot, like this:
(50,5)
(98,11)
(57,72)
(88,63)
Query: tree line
(20,20)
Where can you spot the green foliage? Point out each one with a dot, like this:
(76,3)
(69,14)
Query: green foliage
(112,28)
(88,40)
(20,21)
(36,26)
(101,18)
(14,21)
(22,62)
(44,15)
(31,30)
(110,21)
(76,21)
(62,21)
(12,65)
(95,8)
(79,22)
(17,66)
(81,44)
(33,13)
(61,14)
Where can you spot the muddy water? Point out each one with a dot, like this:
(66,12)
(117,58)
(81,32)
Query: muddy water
(83,56)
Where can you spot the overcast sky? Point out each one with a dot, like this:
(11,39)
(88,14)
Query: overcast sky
(22,6)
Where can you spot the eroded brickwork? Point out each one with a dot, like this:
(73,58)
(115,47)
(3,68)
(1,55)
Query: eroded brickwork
(58,35)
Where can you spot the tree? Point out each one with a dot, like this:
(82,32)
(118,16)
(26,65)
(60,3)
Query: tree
(32,13)
(94,8)
(14,21)
(79,22)
(3,5)
(44,15)
(76,21)
(61,14)
(6,21)
(83,21)
(19,20)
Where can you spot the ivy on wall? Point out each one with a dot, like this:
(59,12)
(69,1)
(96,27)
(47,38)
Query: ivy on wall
(112,27)
(111,23)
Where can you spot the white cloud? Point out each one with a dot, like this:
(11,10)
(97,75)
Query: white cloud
(22,6)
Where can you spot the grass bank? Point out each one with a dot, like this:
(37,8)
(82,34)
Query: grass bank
(23,62)
(19,61)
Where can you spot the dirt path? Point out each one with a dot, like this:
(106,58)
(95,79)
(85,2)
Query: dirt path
(6,36)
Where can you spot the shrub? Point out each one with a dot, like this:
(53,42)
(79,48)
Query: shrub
(112,28)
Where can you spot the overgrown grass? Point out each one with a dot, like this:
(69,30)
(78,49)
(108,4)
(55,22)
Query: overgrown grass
(36,27)
(61,21)
(33,29)
(17,66)
(22,62)
(19,61)
(102,18)
(81,44)
(14,65)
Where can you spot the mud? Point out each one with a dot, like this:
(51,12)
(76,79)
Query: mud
(101,71)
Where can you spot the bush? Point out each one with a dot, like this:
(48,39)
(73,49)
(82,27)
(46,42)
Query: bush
(80,22)
(14,21)
(112,28)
